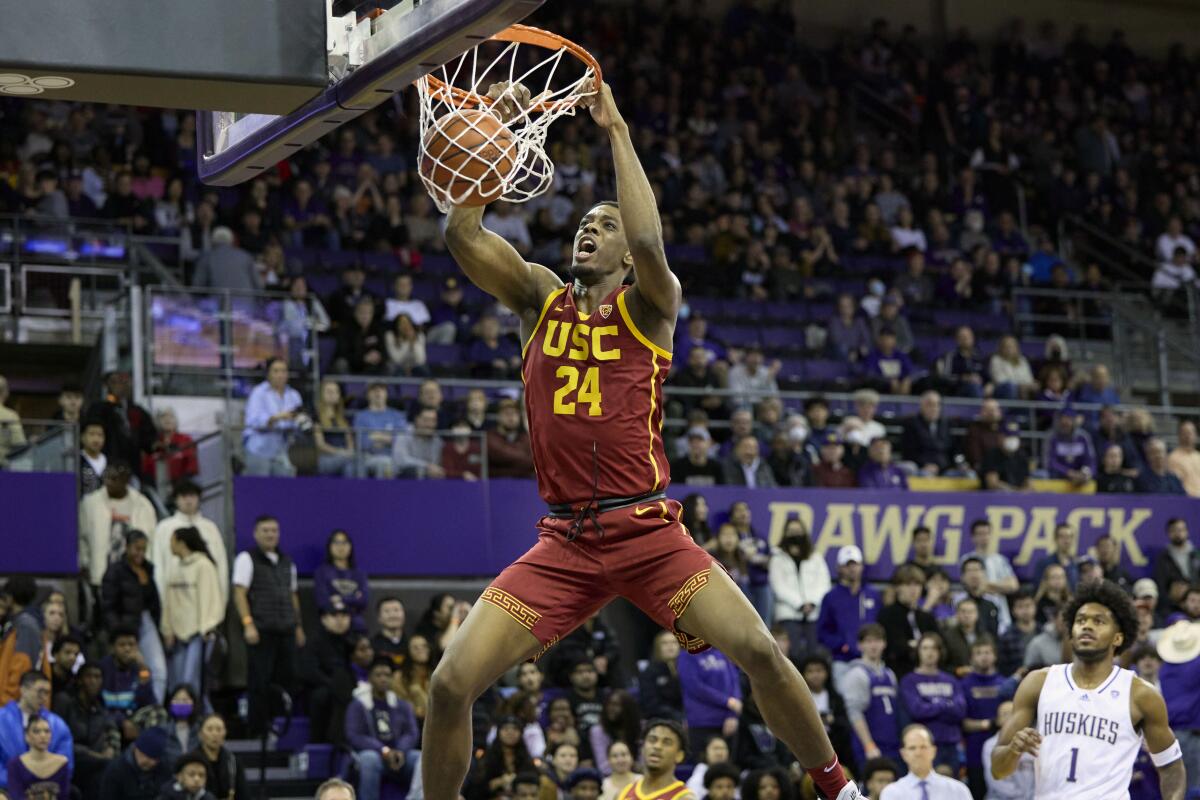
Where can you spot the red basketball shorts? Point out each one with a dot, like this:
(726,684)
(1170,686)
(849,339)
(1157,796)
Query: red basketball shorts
(645,556)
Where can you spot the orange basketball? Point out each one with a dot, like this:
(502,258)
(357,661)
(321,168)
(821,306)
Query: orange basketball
(466,146)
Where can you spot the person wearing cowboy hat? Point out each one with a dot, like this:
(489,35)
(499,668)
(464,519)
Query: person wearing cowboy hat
(1179,649)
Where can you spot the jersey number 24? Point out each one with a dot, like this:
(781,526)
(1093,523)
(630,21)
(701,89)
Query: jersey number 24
(588,391)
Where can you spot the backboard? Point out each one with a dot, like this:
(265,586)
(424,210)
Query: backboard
(373,52)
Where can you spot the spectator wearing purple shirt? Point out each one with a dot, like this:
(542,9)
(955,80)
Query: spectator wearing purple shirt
(888,366)
(1069,453)
(306,219)
(345,161)
(491,355)
(934,699)
(712,696)
(338,584)
(879,472)
(845,608)
(450,320)
(983,689)
(697,337)
(848,334)
(382,732)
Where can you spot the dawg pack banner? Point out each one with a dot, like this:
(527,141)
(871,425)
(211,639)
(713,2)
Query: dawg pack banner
(444,528)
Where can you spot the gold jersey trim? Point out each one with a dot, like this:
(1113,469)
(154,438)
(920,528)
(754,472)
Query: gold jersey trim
(550,299)
(637,334)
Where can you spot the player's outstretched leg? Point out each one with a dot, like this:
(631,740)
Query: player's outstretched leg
(487,645)
(722,616)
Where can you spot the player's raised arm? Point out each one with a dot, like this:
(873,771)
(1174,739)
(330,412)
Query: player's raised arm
(1160,741)
(639,212)
(1018,735)
(493,264)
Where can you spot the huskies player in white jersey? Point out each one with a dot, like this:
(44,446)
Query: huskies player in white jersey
(1084,722)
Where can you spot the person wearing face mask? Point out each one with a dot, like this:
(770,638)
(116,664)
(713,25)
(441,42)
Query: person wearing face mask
(1006,468)
(182,726)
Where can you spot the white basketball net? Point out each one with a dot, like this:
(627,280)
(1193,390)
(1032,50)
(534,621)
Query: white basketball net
(556,83)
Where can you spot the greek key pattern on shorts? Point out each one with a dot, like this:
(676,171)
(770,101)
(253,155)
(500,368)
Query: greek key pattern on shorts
(546,647)
(511,606)
(692,644)
(679,602)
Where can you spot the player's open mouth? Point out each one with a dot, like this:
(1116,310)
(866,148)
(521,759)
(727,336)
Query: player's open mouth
(585,248)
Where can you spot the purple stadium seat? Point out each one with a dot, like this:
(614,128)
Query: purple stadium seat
(820,312)
(735,335)
(355,388)
(791,368)
(381,262)
(956,411)
(443,354)
(427,290)
(928,345)
(338,260)
(438,264)
(705,306)
(325,347)
(300,255)
(1033,349)
(787,313)
(686,253)
(322,284)
(742,311)
(821,370)
(783,338)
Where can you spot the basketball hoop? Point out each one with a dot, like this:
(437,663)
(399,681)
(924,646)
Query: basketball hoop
(558,74)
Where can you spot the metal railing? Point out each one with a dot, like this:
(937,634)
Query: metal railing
(370,452)
(39,445)
(1080,240)
(60,291)
(891,409)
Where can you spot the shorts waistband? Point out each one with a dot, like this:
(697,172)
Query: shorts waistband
(568,510)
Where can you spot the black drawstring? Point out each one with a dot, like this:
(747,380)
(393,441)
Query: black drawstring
(588,512)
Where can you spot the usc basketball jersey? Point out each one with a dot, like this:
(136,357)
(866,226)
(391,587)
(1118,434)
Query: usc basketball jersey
(676,791)
(593,397)
(1089,743)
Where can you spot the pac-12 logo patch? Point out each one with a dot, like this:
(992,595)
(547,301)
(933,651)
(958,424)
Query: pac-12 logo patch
(605,310)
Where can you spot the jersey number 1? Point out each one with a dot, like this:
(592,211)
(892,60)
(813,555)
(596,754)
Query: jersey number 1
(1074,758)
(589,390)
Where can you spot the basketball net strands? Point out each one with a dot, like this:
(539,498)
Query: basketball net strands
(470,158)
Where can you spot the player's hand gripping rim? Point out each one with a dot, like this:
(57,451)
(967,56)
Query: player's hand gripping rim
(510,100)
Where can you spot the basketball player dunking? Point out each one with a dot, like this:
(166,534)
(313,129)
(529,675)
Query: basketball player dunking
(1085,721)
(595,355)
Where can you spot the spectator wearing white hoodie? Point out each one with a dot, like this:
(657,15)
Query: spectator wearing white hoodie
(193,608)
(105,516)
(799,580)
(187,515)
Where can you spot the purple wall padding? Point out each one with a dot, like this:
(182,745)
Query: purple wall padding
(39,523)
(444,528)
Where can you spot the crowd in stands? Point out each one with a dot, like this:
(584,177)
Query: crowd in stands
(855,246)
(752,439)
(121,705)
